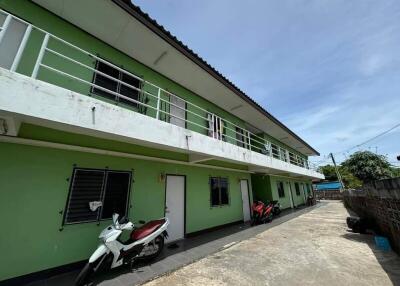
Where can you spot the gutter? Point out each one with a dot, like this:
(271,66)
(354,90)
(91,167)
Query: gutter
(159,30)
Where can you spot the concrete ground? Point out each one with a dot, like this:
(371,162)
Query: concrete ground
(313,249)
(184,252)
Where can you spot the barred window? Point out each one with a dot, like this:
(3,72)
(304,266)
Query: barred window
(116,82)
(281,190)
(297,187)
(219,192)
(275,151)
(97,194)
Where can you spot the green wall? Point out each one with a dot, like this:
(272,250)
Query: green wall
(261,187)
(265,188)
(34,184)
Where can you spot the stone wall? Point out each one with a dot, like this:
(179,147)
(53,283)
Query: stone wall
(329,195)
(379,201)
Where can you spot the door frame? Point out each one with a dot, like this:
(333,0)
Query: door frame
(184,198)
(248,195)
(291,195)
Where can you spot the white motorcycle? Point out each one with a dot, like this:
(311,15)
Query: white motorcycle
(144,242)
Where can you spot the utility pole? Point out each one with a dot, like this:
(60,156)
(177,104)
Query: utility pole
(337,173)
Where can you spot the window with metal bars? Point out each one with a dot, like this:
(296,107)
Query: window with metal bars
(219,192)
(275,151)
(281,190)
(283,154)
(241,137)
(297,188)
(111,84)
(292,158)
(96,194)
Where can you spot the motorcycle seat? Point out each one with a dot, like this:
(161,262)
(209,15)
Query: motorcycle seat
(146,229)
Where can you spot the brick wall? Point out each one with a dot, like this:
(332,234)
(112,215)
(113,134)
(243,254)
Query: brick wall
(380,202)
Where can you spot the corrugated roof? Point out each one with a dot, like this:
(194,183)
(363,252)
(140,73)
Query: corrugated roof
(152,24)
(328,186)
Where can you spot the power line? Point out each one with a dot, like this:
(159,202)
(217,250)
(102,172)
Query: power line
(369,140)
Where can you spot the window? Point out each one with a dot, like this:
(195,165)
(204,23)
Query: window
(275,151)
(300,161)
(177,111)
(112,85)
(216,127)
(297,187)
(267,149)
(281,190)
(292,158)
(241,137)
(106,189)
(219,191)
(283,154)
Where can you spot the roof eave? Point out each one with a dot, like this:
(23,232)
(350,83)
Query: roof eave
(145,19)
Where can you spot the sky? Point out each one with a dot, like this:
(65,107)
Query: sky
(327,69)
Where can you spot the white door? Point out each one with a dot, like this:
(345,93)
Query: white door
(291,195)
(244,187)
(175,206)
(305,193)
(178,111)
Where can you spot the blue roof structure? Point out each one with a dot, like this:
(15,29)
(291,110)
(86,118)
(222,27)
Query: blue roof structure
(328,186)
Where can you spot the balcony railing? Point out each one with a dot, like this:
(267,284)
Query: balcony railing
(61,63)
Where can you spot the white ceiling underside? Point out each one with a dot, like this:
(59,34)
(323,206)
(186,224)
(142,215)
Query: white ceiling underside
(110,23)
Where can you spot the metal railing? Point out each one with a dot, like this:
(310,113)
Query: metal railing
(64,64)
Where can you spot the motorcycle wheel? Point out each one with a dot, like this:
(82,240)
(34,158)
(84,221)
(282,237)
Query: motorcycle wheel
(268,218)
(151,253)
(85,275)
(254,220)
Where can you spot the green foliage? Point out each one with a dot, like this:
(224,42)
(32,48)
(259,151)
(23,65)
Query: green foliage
(368,166)
(329,172)
(395,172)
(349,180)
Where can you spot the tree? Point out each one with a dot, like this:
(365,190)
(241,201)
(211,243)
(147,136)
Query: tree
(349,180)
(329,172)
(395,172)
(368,166)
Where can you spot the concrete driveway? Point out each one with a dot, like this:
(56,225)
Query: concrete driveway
(313,249)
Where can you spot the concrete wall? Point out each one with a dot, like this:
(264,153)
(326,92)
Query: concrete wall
(380,202)
(329,195)
(49,105)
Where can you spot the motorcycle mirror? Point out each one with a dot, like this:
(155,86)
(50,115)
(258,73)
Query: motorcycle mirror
(115,218)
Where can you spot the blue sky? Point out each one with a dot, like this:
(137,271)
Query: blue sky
(328,69)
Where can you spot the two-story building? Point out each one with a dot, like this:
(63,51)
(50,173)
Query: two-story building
(99,103)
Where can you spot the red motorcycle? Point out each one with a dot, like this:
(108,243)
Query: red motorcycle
(262,213)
